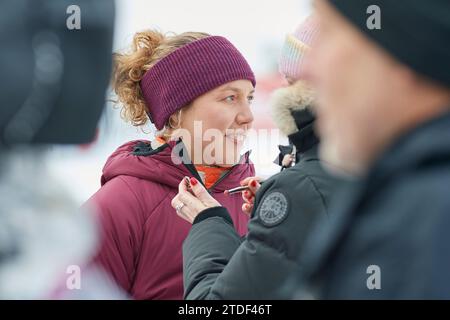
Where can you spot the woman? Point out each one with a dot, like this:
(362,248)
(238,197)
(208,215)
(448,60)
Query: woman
(181,83)
(218,263)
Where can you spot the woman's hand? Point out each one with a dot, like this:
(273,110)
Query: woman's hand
(192,199)
(287,160)
(249,195)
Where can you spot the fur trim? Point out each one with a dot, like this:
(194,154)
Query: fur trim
(297,96)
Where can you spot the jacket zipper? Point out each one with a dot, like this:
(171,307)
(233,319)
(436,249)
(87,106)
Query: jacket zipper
(195,173)
(197,176)
(210,190)
(226,174)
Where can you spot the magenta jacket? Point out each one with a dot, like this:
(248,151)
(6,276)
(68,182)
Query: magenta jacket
(142,235)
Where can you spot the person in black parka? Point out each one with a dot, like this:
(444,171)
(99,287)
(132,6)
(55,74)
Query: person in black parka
(217,263)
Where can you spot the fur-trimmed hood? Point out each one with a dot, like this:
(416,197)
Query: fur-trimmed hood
(297,96)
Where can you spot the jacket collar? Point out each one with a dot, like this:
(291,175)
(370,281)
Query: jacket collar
(243,169)
(305,138)
(311,154)
(425,145)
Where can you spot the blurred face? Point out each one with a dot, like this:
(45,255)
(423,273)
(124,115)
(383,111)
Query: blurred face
(359,90)
(215,124)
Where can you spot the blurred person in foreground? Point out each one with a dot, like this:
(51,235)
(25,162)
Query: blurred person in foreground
(52,92)
(384,118)
(218,263)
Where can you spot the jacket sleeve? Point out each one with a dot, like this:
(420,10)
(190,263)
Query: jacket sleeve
(219,265)
(201,260)
(118,214)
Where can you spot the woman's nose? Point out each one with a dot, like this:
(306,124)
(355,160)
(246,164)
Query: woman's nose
(245,115)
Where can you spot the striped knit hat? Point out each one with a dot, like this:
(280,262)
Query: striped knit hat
(189,72)
(295,47)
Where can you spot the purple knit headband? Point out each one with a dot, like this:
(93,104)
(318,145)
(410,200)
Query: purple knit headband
(189,72)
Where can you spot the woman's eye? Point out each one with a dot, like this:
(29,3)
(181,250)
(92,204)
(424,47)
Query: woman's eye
(230,99)
(250,99)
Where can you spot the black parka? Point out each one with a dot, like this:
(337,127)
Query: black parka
(218,264)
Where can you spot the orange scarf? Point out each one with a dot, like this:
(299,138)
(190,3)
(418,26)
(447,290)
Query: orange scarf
(209,174)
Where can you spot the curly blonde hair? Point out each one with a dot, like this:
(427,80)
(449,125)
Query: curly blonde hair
(147,49)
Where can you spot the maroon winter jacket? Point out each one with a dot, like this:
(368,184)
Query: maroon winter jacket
(142,235)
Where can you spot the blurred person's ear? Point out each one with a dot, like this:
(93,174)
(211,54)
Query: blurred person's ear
(54,76)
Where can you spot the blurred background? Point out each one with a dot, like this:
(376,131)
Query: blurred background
(256,27)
